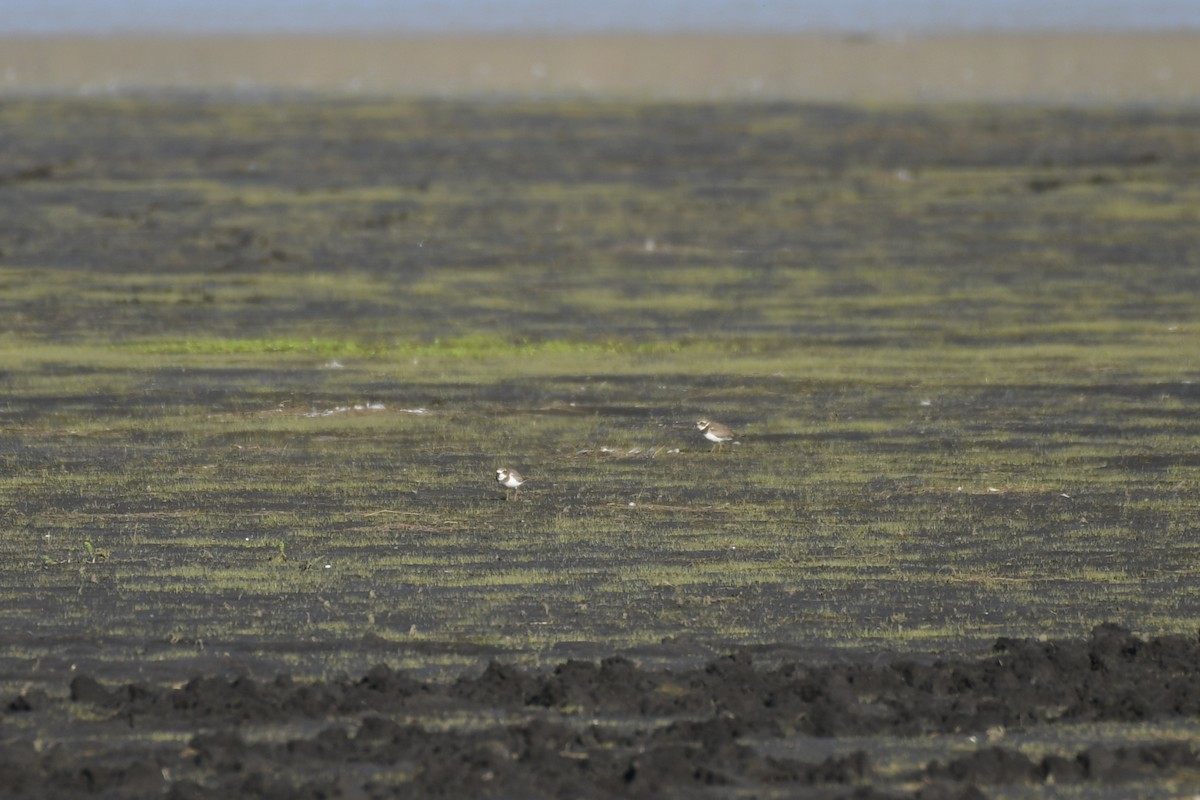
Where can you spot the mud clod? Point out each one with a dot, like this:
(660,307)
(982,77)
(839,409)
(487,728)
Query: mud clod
(588,729)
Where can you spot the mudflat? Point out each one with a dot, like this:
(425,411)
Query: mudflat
(261,359)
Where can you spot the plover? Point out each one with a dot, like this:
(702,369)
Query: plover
(509,479)
(715,432)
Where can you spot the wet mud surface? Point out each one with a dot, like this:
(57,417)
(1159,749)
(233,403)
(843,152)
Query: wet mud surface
(260,361)
(730,728)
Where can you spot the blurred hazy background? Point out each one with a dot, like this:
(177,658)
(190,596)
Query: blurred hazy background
(576,16)
(1077,51)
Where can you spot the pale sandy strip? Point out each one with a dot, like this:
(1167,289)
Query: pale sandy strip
(1065,67)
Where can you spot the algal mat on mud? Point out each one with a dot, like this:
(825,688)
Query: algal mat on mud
(261,359)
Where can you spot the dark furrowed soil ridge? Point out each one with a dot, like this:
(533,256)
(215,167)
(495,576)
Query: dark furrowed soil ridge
(1113,676)
(1098,763)
(606,729)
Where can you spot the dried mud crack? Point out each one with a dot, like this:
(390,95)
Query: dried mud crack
(613,729)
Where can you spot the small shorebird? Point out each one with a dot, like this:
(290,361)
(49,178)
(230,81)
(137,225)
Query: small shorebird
(715,432)
(509,479)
